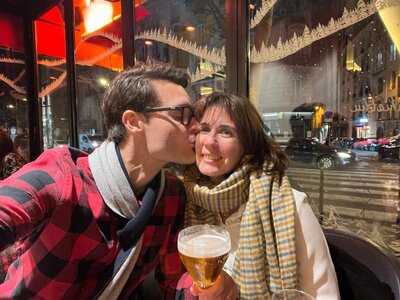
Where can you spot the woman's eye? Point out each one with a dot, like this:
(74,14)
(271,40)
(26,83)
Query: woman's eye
(204,129)
(226,133)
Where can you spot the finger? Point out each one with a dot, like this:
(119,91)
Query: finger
(214,291)
(194,290)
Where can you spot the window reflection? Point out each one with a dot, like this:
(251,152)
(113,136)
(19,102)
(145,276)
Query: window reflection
(13,99)
(324,75)
(98,58)
(187,34)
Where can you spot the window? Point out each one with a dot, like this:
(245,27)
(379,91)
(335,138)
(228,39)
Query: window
(13,98)
(381,82)
(392,51)
(398,86)
(344,71)
(380,59)
(98,60)
(187,34)
(393,78)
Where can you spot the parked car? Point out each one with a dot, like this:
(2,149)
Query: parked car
(366,144)
(318,155)
(96,140)
(85,144)
(88,143)
(342,143)
(390,150)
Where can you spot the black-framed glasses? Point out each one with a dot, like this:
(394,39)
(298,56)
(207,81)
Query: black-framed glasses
(185,116)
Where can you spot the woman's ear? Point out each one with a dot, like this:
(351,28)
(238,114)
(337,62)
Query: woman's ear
(132,121)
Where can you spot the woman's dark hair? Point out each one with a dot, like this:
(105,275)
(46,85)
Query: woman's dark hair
(250,128)
(6,145)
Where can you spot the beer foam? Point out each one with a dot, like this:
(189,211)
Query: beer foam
(204,245)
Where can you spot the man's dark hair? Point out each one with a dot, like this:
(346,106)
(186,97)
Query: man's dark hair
(132,89)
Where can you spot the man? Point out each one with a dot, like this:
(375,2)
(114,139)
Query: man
(94,226)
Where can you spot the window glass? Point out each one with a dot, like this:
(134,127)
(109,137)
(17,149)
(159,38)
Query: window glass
(55,107)
(13,100)
(188,34)
(327,72)
(98,58)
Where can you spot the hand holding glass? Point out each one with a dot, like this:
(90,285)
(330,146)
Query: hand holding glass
(203,250)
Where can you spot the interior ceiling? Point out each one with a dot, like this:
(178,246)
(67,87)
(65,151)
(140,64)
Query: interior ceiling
(28,8)
(50,30)
(38,7)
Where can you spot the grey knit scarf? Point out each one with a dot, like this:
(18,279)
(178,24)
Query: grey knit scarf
(116,190)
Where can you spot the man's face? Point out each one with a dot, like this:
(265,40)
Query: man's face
(167,139)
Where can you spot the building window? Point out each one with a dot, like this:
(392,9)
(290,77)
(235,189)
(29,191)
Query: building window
(392,52)
(348,73)
(380,59)
(393,78)
(398,86)
(381,82)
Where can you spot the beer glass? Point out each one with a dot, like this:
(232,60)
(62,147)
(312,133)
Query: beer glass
(203,250)
(291,294)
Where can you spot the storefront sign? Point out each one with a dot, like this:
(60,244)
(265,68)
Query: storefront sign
(377,104)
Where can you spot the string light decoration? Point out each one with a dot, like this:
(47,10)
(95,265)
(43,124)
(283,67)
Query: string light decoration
(11,84)
(265,7)
(215,56)
(281,50)
(53,85)
(201,73)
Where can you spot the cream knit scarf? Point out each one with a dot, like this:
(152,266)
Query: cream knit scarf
(266,256)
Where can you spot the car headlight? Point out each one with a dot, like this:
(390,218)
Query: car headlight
(343,155)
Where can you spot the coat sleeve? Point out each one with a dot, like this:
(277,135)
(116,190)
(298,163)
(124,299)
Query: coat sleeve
(315,268)
(28,196)
(170,268)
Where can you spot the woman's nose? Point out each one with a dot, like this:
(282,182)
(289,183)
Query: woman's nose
(209,139)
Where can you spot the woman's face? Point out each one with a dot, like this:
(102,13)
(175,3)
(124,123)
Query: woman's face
(218,149)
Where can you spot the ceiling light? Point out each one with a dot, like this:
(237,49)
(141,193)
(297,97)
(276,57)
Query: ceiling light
(98,14)
(190,28)
(103,81)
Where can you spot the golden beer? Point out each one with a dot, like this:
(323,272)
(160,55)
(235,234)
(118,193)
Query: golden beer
(203,250)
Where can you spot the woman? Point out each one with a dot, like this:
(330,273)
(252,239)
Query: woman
(10,160)
(240,183)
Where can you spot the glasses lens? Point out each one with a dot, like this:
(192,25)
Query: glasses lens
(187,115)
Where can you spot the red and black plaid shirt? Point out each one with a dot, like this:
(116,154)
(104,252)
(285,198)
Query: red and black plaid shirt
(65,236)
